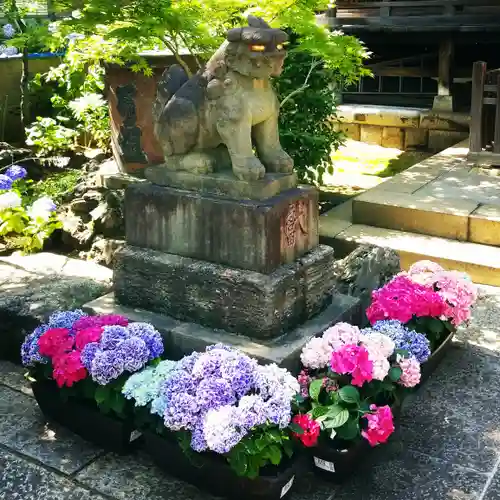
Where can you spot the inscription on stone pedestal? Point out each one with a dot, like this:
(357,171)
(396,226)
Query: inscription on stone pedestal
(294,224)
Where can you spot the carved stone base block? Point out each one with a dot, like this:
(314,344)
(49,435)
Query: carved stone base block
(257,235)
(250,303)
(223,184)
(182,338)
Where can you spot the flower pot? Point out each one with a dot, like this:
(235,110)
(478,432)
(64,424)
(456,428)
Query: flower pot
(428,368)
(80,417)
(337,464)
(211,472)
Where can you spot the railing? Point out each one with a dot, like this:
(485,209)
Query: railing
(415,15)
(485,111)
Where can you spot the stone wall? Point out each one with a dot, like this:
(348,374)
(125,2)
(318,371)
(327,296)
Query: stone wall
(403,128)
(10,93)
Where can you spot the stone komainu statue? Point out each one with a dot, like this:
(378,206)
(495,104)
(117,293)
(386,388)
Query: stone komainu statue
(215,118)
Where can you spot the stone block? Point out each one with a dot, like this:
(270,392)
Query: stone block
(433,120)
(484,225)
(443,103)
(417,214)
(352,130)
(415,137)
(248,234)
(246,302)
(371,134)
(443,139)
(392,137)
(183,338)
(223,184)
(382,116)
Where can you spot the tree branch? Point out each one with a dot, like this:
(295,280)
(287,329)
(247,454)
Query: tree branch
(177,56)
(304,86)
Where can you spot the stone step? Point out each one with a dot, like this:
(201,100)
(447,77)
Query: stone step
(423,214)
(481,262)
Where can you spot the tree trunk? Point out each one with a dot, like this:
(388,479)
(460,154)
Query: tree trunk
(25,104)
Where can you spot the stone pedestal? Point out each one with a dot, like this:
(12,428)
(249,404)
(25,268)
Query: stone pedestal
(236,300)
(257,235)
(204,267)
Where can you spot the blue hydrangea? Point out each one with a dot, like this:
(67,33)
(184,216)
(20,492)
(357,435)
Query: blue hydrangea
(5,182)
(65,319)
(150,335)
(417,344)
(30,354)
(16,172)
(8,30)
(144,387)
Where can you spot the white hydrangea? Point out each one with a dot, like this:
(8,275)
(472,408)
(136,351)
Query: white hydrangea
(9,200)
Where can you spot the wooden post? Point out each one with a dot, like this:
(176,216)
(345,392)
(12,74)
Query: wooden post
(444,100)
(496,147)
(445,78)
(476,107)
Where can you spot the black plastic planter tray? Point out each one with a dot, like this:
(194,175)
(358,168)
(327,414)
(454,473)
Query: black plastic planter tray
(88,422)
(335,465)
(428,368)
(213,474)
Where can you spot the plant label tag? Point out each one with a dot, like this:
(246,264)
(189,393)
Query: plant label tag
(135,435)
(287,487)
(323,464)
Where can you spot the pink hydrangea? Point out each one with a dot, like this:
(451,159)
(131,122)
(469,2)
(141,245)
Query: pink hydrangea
(68,369)
(424,267)
(411,372)
(353,360)
(318,351)
(379,347)
(402,298)
(459,294)
(316,354)
(380,425)
(341,334)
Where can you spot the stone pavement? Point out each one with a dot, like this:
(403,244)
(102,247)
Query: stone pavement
(448,446)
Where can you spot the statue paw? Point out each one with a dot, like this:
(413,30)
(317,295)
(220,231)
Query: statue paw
(250,169)
(278,162)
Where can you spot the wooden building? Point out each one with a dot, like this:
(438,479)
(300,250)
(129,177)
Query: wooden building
(422,50)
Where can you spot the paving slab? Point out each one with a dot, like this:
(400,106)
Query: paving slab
(23,429)
(12,376)
(22,480)
(464,186)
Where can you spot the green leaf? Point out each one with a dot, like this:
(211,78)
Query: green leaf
(261,443)
(288,448)
(436,326)
(274,454)
(319,411)
(239,463)
(102,393)
(350,430)
(337,420)
(315,389)
(395,373)
(349,394)
(274,436)
(297,429)
(117,403)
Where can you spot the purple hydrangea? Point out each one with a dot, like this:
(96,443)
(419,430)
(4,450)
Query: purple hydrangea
(417,344)
(30,353)
(106,367)
(112,336)
(16,172)
(134,353)
(151,337)
(88,354)
(65,319)
(101,320)
(5,182)
(221,395)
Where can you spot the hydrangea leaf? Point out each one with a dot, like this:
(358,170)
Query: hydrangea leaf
(349,394)
(315,389)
